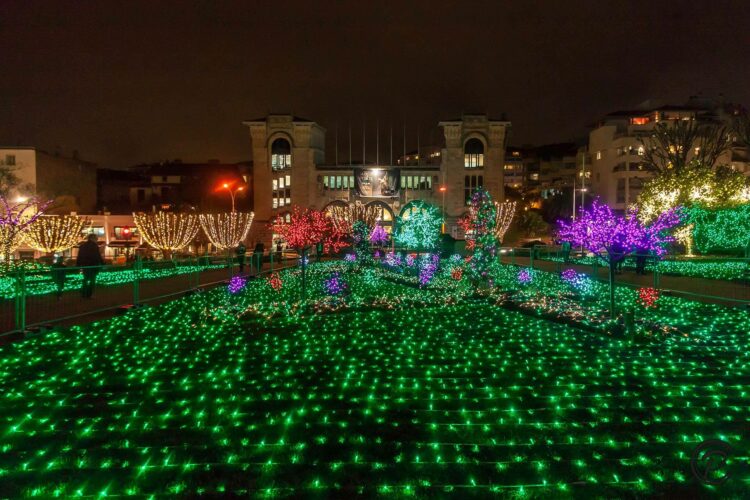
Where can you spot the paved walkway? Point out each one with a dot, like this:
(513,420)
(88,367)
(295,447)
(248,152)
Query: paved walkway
(70,307)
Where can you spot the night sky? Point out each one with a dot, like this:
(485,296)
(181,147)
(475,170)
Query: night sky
(131,82)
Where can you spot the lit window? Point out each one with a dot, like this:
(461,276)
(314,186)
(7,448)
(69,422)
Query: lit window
(639,120)
(275,202)
(471,184)
(275,184)
(473,154)
(641,151)
(325,182)
(281,182)
(281,154)
(598,155)
(288,180)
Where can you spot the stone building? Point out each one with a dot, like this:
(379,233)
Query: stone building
(616,147)
(290,169)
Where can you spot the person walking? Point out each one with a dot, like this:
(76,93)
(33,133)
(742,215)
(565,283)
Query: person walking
(58,275)
(90,260)
(240,251)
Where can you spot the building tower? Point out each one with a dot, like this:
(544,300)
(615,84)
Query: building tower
(285,151)
(473,157)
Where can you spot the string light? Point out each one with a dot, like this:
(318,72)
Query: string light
(418,226)
(55,233)
(373,396)
(15,218)
(226,230)
(725,230)
(167,231)
(345,216)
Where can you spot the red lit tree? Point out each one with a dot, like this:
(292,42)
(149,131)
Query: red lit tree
(307,228)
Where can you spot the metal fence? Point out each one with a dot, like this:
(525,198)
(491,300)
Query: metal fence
(35,298)
(720,280)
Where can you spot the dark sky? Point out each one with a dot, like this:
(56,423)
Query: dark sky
(128,82)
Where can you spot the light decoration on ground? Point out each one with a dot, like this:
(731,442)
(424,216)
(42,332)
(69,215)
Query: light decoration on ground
(344,216)
(378,236)
(274,281)
(236,284)
(167,231)
(392,259)
(613,237)
(428,269)
(726,230)
(418,226)
(578,281)
(350,257)
(470,400)
(226,230)
(648,297)
(307,227)
(15,218)
(360,237)
(55,233)
(457,273)
(335,284)
(525,277)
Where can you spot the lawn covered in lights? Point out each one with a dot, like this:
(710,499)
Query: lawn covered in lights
(384,388)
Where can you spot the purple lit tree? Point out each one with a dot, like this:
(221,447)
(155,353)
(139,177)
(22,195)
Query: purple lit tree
(15,217)
(378,236)
(613,237)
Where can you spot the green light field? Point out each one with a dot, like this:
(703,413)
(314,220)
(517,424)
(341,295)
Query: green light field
(467,400)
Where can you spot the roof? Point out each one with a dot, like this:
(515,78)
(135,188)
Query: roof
(295,119)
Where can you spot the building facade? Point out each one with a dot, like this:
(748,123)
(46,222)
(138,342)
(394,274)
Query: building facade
(290,169)
(53,176)
(616,147)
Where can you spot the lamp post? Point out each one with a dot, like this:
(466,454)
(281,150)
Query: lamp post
(232,192)
(442,190)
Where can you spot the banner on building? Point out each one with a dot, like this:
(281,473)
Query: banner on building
(377,182)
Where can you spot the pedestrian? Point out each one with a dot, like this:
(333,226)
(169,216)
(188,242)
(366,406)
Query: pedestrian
(566,251)
(90,260)
(240,251)
(258,255)
(58,275)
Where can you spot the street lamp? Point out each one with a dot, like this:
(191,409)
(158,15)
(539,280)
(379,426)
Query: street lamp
(443,189)
(232,192)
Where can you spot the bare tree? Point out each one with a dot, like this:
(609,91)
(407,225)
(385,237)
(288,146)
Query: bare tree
(676,145)
(741,128)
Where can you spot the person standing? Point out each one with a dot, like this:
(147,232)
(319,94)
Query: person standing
(240,251)
(258,254)
(58,275)
(90,260)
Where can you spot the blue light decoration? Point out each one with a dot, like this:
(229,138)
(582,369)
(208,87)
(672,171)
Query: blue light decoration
(525,277)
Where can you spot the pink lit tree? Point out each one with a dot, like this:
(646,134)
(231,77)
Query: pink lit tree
(613,237)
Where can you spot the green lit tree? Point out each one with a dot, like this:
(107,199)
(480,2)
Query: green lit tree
(418,226)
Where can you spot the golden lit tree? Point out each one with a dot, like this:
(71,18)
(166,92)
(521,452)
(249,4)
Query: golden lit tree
(344,216)
(166,231)
(226,230)
(15,218)
(55,233)
(504,213)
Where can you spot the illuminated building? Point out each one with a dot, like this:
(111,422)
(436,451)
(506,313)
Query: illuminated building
(290,168)
(618,172)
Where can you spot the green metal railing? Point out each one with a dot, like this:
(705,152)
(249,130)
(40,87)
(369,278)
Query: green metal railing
(32,298)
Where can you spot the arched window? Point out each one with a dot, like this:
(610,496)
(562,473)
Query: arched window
(473,153)
(281,154)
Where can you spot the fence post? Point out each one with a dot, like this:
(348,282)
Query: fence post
(513,256)
(137,280)
(270,254)
(21,300)
(531,256)
(656,270)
